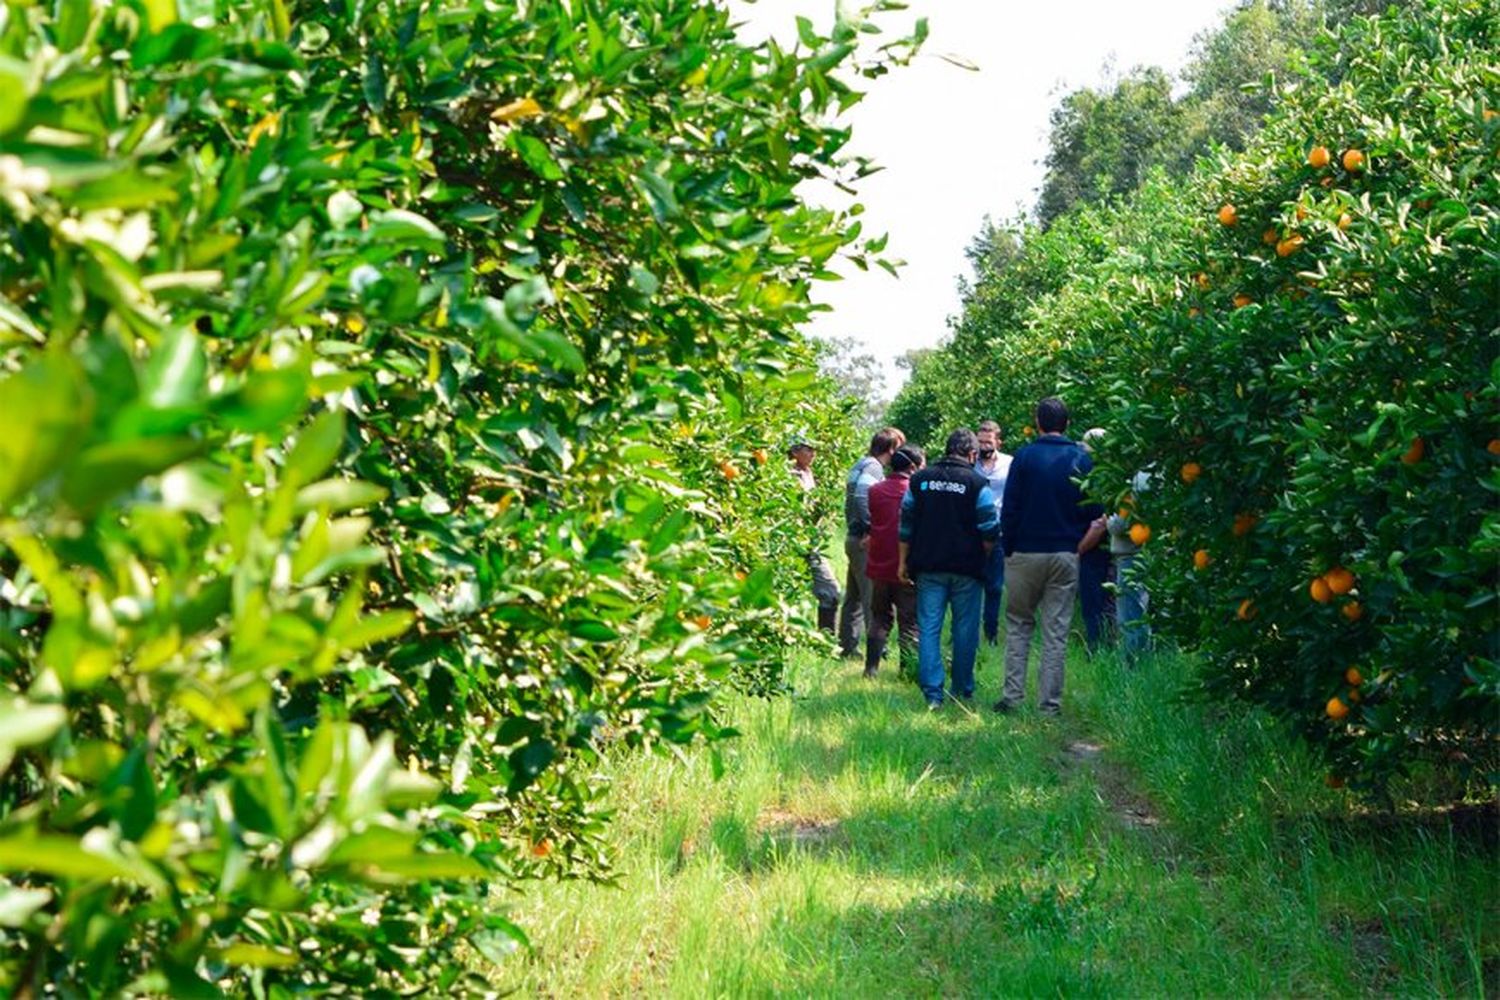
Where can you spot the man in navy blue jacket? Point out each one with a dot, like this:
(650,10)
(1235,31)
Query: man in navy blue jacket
(948,526)
(1042,520)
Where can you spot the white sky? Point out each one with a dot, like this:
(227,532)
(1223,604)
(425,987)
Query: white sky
(958,144)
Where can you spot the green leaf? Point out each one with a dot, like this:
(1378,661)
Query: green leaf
(175,373)
(107,470)
(401,228)
(317,446)
(63,857)
(335,495)
(257,956)
(535,154)
(44,409)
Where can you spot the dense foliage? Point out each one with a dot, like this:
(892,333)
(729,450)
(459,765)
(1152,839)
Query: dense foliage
(1299,342)
(394,397)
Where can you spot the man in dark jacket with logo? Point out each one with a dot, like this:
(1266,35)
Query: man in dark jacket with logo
(948,526)
(1043,518)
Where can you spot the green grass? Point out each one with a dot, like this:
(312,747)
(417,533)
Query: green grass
(857,846)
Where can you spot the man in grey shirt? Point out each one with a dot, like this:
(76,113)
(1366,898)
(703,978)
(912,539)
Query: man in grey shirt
(868,471)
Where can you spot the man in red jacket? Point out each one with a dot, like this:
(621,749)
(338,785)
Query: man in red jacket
(891,600)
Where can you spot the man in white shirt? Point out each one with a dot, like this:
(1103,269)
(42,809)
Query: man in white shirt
(994,465)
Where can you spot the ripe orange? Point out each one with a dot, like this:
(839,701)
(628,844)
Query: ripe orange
(1336,709)
(541,848)
(1242,300)
(759,455)
(728,471)
(1201,559)
(1269,236)
(1289,246)
(1301,212)
(1354,677)
(1493,447)
(1414,454)
(1354,160)
(1318,591)
(1229,215)
(1247,610)
(1202,279)
(702,621)
(1140,534)
(1345,221)
(1319,157)
(1190,472)
(1244,524)
(1340,580)
(1353,611)
(1354,696)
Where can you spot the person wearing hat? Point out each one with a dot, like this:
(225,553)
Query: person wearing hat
(825,587)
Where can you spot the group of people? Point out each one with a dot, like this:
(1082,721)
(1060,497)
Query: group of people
(926,542)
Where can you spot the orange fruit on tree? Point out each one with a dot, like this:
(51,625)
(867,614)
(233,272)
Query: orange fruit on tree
(1194,312)
(1336,708)
(1246,611)
(1244,524)
(1493,447)
(1201,559)
(702,621)
(1027,432)
(1318,590)
(1334,781)
(1354,677)
(1319,157)
(760,456)
(1202,279)
(1340,580)
(1229,215)
(1269,237)
(1301,212)
(1190,472)
(1414,454)
(1289,246)
(1242,300)
(541,848)
(1140,534)
(1353,611)
(1354,160)
(1345,221)
(1354,696)
(728,471)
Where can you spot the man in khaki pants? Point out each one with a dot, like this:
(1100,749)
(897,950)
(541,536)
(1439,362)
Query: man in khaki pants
(1042,520)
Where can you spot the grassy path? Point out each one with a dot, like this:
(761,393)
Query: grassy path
(859,847)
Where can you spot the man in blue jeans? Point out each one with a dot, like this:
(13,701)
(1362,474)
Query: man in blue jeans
(948,527)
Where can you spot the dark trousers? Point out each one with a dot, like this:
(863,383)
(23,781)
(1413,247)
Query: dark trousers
(856,598)
(892,604)
(994,583)
(1093,599)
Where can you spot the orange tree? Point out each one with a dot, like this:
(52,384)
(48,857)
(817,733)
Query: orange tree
(1299,343)
(368,371)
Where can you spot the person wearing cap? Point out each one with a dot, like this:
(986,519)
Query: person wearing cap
(893,601)
(825,587)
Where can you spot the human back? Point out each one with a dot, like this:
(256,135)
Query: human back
(952,515)
(1043,507)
